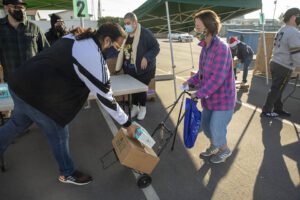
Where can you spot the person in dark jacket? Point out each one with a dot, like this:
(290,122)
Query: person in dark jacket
(20,39)
(57,30)
(138,59)
(244,53)
(50,91)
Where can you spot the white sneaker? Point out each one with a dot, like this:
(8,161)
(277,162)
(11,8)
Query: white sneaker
(134,111)
(142,113)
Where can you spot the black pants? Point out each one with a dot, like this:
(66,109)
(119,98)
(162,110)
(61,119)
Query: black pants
(141,98)
(280,78)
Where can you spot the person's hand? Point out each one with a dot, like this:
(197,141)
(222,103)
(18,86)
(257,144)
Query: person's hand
(144,63)
(184,86)
(131,130)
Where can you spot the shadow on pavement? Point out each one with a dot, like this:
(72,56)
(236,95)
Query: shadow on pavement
(258,94)
(273,170)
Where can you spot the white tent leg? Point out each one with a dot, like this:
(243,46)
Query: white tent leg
(265,52)
(171,47)
(81,22)
(192,54)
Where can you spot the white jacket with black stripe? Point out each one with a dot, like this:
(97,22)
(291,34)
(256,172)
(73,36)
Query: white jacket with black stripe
(59,79)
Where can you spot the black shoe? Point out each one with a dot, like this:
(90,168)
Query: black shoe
(269,114)
(282,113)
(77,178)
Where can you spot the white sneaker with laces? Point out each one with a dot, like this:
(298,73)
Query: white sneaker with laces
(134,111)
(142,113)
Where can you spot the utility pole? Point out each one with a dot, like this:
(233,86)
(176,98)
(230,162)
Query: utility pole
(99,9)
(275,4)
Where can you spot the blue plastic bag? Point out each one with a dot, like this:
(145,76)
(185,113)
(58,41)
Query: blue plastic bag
(192,123)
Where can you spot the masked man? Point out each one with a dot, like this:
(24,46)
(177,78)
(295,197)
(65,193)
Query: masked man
(138,59)
(57,30)
(20,39)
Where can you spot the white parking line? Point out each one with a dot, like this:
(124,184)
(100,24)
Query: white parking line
(245,104)
(149,191)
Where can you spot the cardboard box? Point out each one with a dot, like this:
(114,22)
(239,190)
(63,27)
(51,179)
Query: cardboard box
(133,155)
(142,135)
(151,90)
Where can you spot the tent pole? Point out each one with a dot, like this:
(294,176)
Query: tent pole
(265,48)
(171,47)
(192,54)
(81,22)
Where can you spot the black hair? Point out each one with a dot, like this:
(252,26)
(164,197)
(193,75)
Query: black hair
(112,30)
(289,13)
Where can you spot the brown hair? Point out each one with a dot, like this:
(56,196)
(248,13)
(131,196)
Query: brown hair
(210,20)
(112,30)
(131,16)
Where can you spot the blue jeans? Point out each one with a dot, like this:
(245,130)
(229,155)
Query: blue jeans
(214,125)
(247,62)
(58,137)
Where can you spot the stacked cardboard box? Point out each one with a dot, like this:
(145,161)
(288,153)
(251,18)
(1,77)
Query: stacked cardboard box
(151,94)
(132,154)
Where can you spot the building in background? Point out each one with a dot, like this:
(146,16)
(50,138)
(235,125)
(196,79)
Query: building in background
(33,15)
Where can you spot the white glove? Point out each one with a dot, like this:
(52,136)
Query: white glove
(184,87)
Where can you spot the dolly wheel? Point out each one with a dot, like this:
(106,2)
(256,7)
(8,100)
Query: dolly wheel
(144,181)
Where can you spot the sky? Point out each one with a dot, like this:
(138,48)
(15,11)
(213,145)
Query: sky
(121,7)
(118,8)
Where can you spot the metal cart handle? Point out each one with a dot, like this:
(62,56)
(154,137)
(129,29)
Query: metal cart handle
(107,165)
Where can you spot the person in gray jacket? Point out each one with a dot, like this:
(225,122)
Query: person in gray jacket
(285,59)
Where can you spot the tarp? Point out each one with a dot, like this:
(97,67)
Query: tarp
(49,4)
(152,14)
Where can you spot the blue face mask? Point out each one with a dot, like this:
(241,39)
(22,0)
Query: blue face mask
(129,28)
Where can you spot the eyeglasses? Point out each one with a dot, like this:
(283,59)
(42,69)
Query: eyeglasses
(116,45)
(17,7)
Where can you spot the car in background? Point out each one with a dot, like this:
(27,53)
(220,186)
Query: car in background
(182,37)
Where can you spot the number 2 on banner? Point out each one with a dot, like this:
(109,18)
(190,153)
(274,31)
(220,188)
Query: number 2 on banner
(80,5)
(80,8)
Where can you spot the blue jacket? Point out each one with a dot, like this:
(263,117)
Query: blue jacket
(148,47)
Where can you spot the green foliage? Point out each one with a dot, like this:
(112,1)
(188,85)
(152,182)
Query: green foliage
(103,20)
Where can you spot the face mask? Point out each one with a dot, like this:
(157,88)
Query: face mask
(60,30)
(18,15)
(129,28)
(201,35)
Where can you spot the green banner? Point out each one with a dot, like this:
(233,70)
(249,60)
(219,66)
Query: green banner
(80,8)
(262,18)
